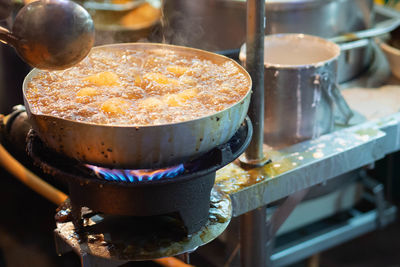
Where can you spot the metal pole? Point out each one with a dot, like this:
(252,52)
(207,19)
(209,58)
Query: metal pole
(255,67)
(253,238)
(253,228)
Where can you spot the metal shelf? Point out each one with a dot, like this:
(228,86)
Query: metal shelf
(314,162)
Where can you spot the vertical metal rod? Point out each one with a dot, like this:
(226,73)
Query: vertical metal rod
(253,228)
(255,66)
(253,238)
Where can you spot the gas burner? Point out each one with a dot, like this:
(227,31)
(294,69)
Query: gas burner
(121,239)
(187,195)
(128,175)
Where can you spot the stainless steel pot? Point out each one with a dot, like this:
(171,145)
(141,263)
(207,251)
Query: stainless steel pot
(324,18)
(220,25)
(145,146)
(327,18)
(301,94)
(123,23)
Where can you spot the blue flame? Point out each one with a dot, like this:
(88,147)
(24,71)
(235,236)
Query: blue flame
(131,176)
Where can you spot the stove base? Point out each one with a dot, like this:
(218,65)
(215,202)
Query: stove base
(115,240)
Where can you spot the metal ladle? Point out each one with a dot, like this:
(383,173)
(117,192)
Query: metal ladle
(51,34)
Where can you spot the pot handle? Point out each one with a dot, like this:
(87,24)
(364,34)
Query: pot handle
(345,112)
(342,111)
(354,45)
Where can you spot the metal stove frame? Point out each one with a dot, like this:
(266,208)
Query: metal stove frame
(368,142)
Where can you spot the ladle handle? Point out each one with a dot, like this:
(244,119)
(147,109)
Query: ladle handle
(7,37)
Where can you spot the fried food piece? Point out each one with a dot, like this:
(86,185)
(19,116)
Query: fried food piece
(187,80)
(138,81)
(177,70)
(85,94)
(188,94)
(116,105)
(150,103)
(174,100)
(105,78)
(87,91)
(160,78)
(171,100)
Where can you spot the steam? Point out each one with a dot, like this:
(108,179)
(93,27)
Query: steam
(181,22)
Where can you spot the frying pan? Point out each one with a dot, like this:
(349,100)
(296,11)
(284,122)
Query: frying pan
(121,146)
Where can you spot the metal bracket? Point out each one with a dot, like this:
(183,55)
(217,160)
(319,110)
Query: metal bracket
(377,197)
(285,209)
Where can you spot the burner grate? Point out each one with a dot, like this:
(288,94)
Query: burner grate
(114,240)
(186,195)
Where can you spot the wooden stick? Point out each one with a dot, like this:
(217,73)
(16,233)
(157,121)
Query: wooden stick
(30,179)
(171,262)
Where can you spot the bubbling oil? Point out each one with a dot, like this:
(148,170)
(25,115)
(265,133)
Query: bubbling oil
(138,87)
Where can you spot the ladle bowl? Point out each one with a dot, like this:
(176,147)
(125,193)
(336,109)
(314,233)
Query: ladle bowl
(51,34)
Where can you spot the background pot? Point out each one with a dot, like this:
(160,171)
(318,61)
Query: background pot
(126,25)
(301,94)
(220,25)
(324,18)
